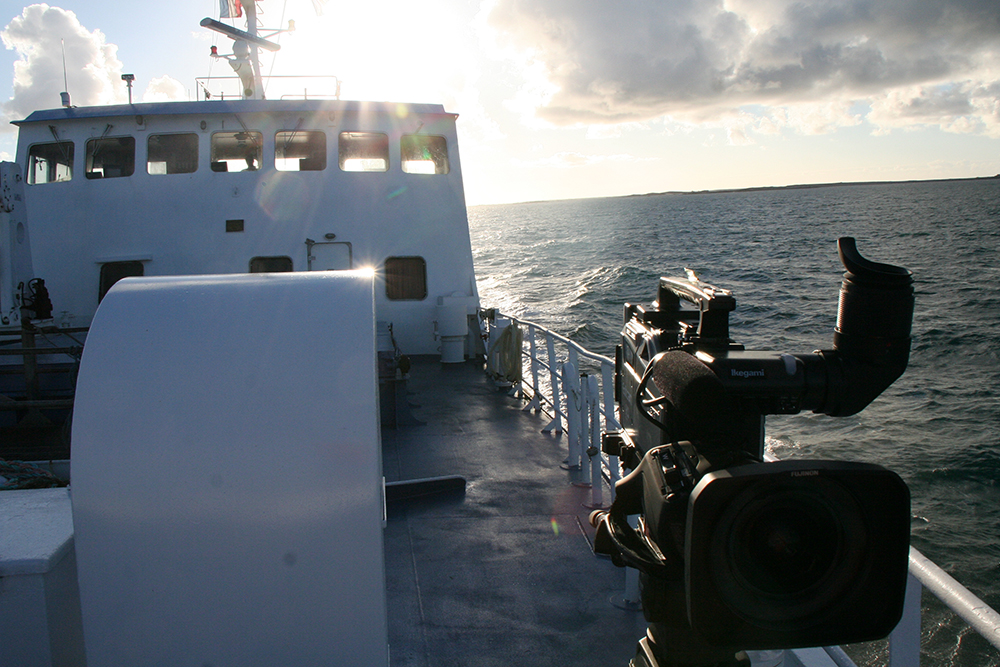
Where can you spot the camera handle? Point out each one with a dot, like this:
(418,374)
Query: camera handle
(871,342)
(714,305)
(625,546)
(631,546)
(666,644)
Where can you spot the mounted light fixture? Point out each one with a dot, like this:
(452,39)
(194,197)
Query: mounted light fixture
(128,79)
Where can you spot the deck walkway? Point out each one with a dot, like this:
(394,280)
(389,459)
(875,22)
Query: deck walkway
(504,574)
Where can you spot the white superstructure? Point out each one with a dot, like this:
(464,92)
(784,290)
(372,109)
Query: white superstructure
(237,186)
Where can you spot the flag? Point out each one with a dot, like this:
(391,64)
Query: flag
(230,9)
(318,6)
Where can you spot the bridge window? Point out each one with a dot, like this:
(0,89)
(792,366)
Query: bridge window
(172,154)
(423,154)
(237,151)
(270,264)
(110,157)
(405,278)
(50,163)
(297,150)
(364,151)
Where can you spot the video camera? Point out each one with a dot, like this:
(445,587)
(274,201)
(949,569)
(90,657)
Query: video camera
(735,553)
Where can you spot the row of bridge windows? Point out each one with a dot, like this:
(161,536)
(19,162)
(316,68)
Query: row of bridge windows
(294,150)
(405,278)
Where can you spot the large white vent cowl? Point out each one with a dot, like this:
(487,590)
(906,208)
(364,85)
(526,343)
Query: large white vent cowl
(227,487)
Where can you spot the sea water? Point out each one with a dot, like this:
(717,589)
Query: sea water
(570,265)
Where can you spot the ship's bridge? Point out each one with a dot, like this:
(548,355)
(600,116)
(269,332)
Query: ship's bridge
(236,186)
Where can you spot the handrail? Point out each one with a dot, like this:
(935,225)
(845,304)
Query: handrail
(589,401)
(979,615)
(202,82)
(904,642)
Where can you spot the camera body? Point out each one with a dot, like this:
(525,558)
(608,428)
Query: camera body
(736,553)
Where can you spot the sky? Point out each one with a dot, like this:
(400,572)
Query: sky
(562,99)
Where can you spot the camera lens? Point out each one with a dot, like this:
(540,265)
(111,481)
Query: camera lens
(790,547)
(784,544)
(796,553)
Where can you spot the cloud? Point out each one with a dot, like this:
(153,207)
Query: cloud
(961,107)
(620,61)
(737,136)
(93,71)
(614,131)
(631,60)
(164,89)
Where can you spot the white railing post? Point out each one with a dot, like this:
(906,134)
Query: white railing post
(583,431)
(518,389)
(556,423)
(535,403)
(608,384)
(574,415)
(904,642)
(597,460)
(630,597)
(571,383)
(610,421)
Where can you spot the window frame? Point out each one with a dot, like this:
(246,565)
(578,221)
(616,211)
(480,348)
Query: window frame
(94,148)
(254,137)
(441,166)
(31,166)
(316,159)
(352,140)
(397,280)
(150,151)
(262,260)
(104,286)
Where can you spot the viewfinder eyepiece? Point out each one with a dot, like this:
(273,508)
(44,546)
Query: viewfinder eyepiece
(876,300)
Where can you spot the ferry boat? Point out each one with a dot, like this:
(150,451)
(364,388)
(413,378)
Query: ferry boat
(284,447)
(236,186)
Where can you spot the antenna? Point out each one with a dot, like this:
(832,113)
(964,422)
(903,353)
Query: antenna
(64,95)
(245,59)
(246,62)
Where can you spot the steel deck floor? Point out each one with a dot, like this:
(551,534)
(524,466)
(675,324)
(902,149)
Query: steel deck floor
(504,574)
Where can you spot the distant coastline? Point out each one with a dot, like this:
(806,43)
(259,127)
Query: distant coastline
(809,186)
(760,188)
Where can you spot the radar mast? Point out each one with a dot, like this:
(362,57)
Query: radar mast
(245,59)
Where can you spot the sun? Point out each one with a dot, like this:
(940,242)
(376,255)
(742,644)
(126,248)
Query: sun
(388,51)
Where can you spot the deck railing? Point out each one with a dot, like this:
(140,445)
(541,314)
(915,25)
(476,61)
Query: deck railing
(290,85)
(557,381)
(567,381)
